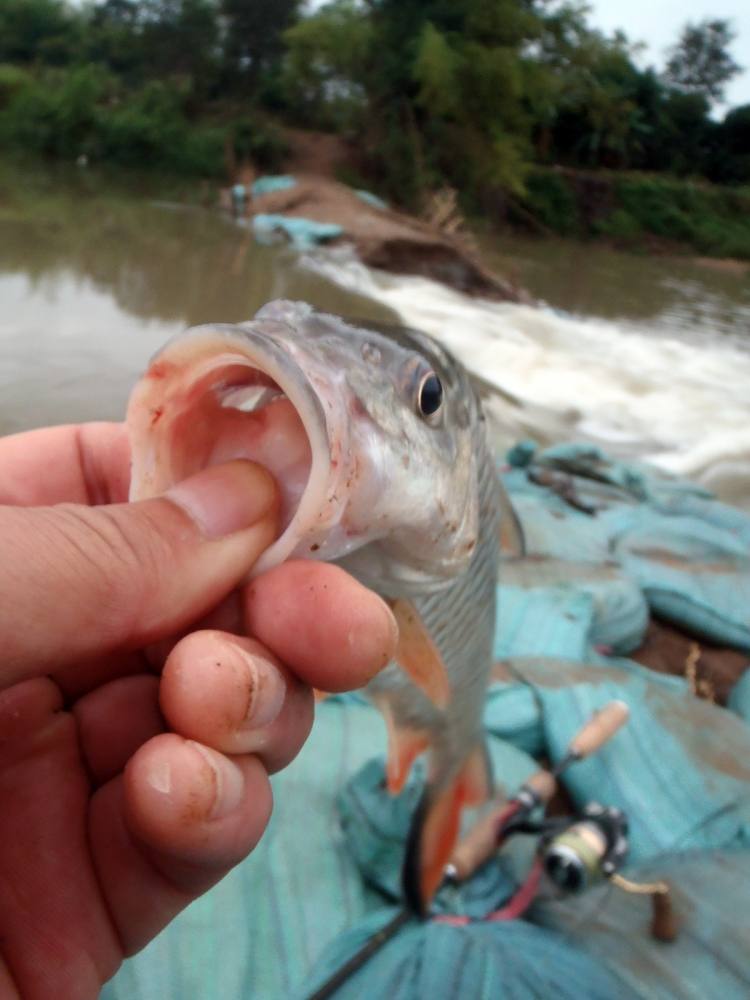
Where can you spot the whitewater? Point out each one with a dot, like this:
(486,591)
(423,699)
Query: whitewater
(682,403)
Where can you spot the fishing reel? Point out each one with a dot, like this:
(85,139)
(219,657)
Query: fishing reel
(591,848)
(574,852)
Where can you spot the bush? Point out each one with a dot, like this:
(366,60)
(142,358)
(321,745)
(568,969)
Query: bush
(711,220)
(550,199)
(55,114)
(82,111)
(12,79)
(150,128)
(260,142)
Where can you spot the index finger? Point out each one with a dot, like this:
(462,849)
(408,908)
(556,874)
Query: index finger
(73,463)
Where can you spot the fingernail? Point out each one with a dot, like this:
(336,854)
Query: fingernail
(225,499)
(228,781)
(388,638)
(390,619)
(263,687)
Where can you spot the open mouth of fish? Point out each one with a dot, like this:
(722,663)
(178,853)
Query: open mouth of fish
(224,393)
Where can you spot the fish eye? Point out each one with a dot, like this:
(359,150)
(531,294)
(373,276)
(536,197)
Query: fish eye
(430,395)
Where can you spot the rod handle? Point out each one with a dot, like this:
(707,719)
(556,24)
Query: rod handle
(599,729)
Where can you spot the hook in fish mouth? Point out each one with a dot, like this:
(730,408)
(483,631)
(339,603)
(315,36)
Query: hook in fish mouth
(224,392)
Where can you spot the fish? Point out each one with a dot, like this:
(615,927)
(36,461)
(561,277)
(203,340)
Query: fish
(377,440)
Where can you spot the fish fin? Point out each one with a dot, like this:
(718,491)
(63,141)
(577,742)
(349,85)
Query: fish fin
(435,828)
(418,655)
(511,534)
(405,744)
(432,837)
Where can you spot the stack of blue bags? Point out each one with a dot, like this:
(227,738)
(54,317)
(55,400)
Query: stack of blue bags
(607,544)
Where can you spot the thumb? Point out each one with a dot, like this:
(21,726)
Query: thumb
(77,581)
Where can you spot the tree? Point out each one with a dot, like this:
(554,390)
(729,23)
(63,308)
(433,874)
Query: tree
(325,67)
(37,30)
(730,162)
(700,62)
(254,35)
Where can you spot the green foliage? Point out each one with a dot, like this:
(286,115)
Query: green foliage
(150,127)
(56,113)
(12,79)
(261,143)
(730,159)
(700,61)
(324,67)
(253,36)
(82,112)
(38,31)
(549,199)
(632,209)
(436,69)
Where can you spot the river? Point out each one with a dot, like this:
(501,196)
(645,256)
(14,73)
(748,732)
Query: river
(649,357)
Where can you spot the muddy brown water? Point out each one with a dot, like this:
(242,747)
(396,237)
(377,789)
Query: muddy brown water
(95,275)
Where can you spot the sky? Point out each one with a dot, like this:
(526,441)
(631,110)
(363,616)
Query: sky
(658,23)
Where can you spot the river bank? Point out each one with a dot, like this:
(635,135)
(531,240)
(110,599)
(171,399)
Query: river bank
(635,212)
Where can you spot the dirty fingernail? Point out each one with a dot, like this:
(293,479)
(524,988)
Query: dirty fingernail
(228,783)
(264,689)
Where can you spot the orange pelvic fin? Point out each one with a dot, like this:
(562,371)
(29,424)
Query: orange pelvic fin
(435,829)
(418,655)
(404,746)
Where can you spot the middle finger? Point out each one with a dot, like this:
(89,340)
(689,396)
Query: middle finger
(232,694)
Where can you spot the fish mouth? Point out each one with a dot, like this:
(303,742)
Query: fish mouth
(222,393)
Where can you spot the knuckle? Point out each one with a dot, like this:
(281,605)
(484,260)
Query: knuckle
(124,557)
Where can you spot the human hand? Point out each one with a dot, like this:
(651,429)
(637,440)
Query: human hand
(133,770)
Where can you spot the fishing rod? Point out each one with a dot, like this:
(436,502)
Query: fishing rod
(575,852)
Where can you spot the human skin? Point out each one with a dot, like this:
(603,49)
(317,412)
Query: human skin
(145,695)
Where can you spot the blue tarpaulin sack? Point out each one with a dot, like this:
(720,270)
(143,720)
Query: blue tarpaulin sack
(688,554)
(270,183)
(303,233)
(679,770)
(326,875)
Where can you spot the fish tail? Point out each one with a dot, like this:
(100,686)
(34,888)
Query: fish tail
(435,828)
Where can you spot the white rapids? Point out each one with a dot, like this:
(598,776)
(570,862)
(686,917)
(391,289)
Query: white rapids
(682,404)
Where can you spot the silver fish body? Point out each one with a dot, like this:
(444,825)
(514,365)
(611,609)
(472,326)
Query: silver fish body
(461,620)
(406,500)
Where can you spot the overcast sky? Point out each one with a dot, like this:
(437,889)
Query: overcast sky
(659,22)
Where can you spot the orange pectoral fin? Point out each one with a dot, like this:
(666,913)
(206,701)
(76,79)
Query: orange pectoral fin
(418,655)
(435,828)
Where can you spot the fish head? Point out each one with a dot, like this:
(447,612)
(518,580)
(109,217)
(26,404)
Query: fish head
(368,435)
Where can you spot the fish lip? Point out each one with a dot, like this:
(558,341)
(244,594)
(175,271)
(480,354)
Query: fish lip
(258,345)
(277,360)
